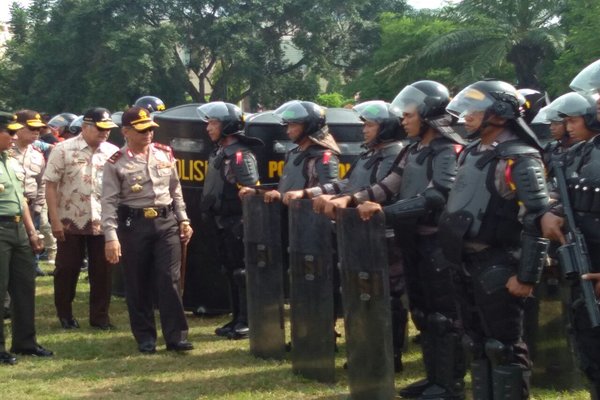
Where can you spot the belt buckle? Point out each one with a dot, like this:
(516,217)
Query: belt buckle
(150,213)
(17,218)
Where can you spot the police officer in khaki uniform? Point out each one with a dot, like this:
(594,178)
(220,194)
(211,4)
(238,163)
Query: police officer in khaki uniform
(17,238)
(144,220)
(31,164)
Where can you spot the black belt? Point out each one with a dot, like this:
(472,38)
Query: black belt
(11,218)
(146,212)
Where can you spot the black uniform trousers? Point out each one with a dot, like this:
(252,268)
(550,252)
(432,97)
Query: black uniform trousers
(17,276)
(151,250)
(69,259)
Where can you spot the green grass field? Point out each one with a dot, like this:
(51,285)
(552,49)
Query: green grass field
(91,364)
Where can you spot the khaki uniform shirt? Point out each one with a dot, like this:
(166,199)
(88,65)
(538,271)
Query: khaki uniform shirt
(138,181)
(11,188)
(78,173)
(30,170)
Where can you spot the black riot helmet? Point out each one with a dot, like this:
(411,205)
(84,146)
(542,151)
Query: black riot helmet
(429,99)
(230,115)
(389,123)
(311,115)
(534,101)
(576,105)
(493,97)
(75,126)
(61,121)
(150,103)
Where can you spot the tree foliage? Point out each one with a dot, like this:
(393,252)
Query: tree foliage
(492,33)
(72,54)
(580,22)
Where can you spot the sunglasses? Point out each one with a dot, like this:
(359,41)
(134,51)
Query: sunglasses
(146,130)
(37,129)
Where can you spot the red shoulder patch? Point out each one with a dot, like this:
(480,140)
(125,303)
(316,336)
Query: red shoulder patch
(326,157)
(113,159)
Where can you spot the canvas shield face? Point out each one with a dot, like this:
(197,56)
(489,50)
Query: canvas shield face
(363,259)
(264,278)
(311,293)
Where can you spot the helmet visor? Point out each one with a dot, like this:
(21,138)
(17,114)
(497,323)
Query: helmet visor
(214,110)
(410,99)
(546,115)
(588,80)
(468,101)
(572,105)
(292,111)
(376,111)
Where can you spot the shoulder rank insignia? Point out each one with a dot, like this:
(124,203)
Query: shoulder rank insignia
(113,159)
(164,148)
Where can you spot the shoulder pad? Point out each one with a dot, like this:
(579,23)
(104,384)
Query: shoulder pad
(244,167)
(316,151)
(515,148)
(113,159)
(234,148)
(443,143)
(466,150)
(527,177)
(392,150)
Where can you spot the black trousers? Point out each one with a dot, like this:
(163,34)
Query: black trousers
(151,251)
(69,259)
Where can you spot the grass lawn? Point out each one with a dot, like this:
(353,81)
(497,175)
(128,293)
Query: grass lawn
(94,364)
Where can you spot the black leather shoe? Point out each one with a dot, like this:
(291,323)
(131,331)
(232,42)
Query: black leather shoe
(147,347)
(69,323)
(7,358)
(37,351)
(225,330)
(104,327)
(240,331)
(183,345)
(415,389)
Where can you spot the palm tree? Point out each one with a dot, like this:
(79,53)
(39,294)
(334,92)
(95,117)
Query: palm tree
(492,33)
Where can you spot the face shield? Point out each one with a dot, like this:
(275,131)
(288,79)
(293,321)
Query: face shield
(214,110)
(410,99)
(546,115)
(468,101)
(376,111)
(571,105)
(292,111)
(588,80)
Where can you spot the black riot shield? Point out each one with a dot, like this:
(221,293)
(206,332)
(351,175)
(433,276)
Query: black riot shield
(311,293)
(264,280)
(366,297)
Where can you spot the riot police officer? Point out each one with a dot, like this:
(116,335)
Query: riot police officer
(59,124)
(581,168)
(150,103)
(489,229)
(421,179)
(315,158)
(231,166)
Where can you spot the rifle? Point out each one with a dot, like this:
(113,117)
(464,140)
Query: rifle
(573,256)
